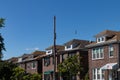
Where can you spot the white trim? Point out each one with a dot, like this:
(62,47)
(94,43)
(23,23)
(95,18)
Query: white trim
(49,52)
(97,53)
(96,74)
(71,47)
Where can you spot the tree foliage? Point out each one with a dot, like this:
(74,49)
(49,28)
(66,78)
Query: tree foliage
(20,74)
(70,67)
(2,20)
(6,69)
(1,38)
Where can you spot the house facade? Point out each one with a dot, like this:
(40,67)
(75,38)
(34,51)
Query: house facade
(104,56)
(31,63)
(70,48)
(76,47)
(48,62)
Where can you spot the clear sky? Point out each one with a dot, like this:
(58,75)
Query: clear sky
(29,23)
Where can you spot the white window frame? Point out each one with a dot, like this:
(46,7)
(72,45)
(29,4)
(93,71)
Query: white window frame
(95,73)
(111,49)
(98,53)
(33,63)
(71,47)
(49,52)
(101,39)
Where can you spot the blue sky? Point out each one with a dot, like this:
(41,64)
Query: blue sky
(29,23)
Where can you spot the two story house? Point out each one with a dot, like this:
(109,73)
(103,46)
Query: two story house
(104,56)
(48,62)
(76,47)
(31,63)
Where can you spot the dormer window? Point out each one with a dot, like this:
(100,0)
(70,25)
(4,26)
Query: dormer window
(20,60)
(68,47)
(100,39)
(49,52)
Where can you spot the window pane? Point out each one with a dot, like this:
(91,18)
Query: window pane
(111,50)
(103,74)
(94,73)
(93,53)
(98,73)
(101,52)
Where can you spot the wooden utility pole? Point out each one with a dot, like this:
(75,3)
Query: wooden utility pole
(54,73)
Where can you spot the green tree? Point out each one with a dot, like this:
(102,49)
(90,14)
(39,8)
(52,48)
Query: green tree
(36,77)
(18,74)
(70,67)
(2,47)
(86,76)
(6,70)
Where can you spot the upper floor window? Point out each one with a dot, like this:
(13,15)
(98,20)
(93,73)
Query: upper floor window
(63,57)
(71,54)
(100,39)
(19,59)
(68,47)
(46,61)
(49,51)
(97,53)
(33,64)
(111,51)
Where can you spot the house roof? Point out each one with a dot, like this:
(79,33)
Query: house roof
(38,53)
(13,59)
(106,33)
(58,47)
(79,43)
(114,37)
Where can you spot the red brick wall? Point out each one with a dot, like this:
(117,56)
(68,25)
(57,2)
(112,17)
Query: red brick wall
(49,67)
(101,62)
(30,69)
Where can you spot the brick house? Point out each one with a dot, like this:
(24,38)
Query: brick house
(48,62)
(104,56)
(76,47)
(31,63)
(13,60)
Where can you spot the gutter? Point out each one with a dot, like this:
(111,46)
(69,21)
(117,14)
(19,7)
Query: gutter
(102,43)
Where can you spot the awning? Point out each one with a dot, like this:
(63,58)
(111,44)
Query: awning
(109,66)
(48,72)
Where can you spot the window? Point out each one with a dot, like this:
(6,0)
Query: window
(97,53)
(98,74)
(111,51)
(101,39)
(63,57)
(68,47)
(71,54)
(49,52)
(28,65)
(33,64)
(46,61)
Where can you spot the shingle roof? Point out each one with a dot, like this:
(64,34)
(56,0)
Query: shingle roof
(38,53)
(79,43)
(106,33)
(58,47)
(114,37)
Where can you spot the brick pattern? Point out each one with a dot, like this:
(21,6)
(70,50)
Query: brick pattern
(101,62)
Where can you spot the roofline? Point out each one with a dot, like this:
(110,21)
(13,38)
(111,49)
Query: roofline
(102,43)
